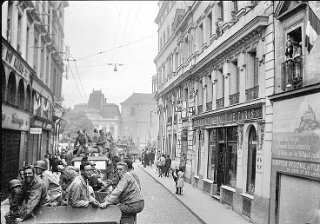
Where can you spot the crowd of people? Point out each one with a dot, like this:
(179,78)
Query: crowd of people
(51,182)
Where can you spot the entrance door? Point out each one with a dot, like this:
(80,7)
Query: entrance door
(10,149)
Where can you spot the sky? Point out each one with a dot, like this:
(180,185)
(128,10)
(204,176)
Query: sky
(109,32)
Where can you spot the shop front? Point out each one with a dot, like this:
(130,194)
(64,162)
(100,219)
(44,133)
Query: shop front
(229,156)
(295,192)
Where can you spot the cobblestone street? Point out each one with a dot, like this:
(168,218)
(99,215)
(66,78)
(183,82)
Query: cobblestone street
(160,205)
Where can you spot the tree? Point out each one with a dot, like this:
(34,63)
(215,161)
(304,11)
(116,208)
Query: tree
(74,121)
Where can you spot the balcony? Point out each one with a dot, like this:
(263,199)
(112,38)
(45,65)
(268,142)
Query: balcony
(234,98)
(209,106)
(220,103)
(252,93)
(291,74)
(199,109)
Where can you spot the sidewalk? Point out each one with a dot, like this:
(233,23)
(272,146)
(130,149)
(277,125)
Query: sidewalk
(207,209)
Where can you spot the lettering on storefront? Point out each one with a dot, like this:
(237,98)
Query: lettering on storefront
(15,61)
(230,117)
(297,167)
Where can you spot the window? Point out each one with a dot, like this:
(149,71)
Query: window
(212,154)
(200,35)
(220,10)
(235,6)
(210,24)
(251,164)
(42,61)
(27,43)
(11,94)
(132,111)
(9,22)
(21,99)
(19,34)
(252,81)
(234,83)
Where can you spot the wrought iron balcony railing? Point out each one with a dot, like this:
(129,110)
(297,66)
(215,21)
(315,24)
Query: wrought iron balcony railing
(291,73)
(234,98)
(220,103)
(252,93)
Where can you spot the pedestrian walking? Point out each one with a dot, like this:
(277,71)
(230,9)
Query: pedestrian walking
(162,165)
(167,166)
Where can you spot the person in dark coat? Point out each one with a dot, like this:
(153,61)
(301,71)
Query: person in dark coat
(167,166)
(151,158)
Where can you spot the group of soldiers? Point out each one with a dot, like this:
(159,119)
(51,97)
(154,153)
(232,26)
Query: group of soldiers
(99,144)
(36,186)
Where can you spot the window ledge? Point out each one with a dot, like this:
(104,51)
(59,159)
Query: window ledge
(228,188)
(208,181)
(247,196)
(197,177)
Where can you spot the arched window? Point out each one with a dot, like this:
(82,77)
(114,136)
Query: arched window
(28,98)
(12,86)
(21,95)
(251,165)
(3,86)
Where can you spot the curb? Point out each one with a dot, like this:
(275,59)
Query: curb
(186,206)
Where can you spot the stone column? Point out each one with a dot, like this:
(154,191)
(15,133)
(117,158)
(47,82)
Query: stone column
(226,74)
(14,27)
(24,44)
(242,76)
(214,88)
(204,99)
(4,17)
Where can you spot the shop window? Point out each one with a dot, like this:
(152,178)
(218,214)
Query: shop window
(251,164)
(212,154)
(200,137)
(11,94)
(21,95)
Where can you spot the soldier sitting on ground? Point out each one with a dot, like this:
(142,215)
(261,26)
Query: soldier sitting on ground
(15,201)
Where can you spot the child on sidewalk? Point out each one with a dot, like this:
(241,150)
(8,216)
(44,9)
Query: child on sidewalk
(15,201)
(180,182)
(175,178)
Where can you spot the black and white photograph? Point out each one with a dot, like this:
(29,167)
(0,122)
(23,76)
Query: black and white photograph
(160,112)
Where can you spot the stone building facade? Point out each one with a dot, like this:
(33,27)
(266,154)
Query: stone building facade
(31,81)
(215,71)
(295,177)
(103,115)
(139,119)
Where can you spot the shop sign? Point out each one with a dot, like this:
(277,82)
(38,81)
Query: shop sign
(15,61)
(229,117)
(36,131)
(297,167)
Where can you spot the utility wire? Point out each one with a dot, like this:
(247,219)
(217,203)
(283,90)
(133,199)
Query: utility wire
(102,52)
(76,82)
(75,64)
(115,40)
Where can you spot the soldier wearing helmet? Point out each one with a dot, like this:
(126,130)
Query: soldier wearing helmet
(34,192)
(51,181)
(15,201)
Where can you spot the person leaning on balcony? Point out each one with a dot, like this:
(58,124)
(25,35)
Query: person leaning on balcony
(289,50)
(297,53)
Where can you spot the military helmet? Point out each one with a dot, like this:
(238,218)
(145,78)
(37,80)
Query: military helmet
(13,183)
(41,164)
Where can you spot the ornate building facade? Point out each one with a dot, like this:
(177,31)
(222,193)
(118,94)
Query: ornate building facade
(215,71)
(31,80)
(103,115)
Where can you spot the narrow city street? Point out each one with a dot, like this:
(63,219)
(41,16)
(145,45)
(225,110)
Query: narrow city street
(160,205)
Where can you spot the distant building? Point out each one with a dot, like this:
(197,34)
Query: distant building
(139,118)
(103,115)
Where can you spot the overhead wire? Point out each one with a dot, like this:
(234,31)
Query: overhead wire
(75,64)
(125,29)
(76,82)
(102,52)
(115,40)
